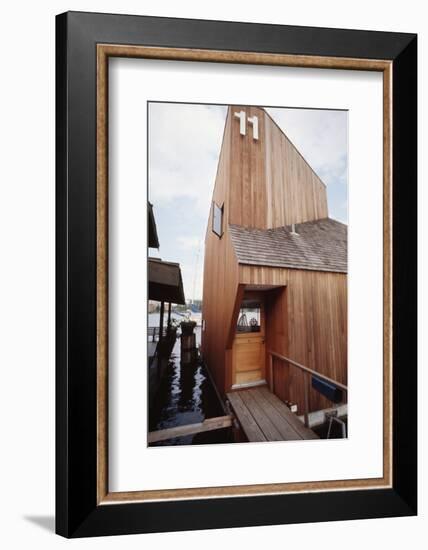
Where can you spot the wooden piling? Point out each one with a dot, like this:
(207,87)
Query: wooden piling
(189,352)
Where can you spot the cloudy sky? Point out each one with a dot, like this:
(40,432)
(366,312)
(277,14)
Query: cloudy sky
(184,146)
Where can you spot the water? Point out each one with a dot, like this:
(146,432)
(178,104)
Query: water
(186,396)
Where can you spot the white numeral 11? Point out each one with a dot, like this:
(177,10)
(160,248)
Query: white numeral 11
(254,121)
(242,122)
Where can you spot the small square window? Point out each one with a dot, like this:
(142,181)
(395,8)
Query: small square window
(217,226)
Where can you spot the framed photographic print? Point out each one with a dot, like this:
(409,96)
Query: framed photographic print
(236,274)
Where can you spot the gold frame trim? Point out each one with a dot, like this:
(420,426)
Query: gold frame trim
(104,51)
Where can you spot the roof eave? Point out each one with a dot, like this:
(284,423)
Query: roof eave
(290,266)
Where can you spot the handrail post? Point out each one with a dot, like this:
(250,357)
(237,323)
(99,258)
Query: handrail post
(271,372)
(307,373)
(305,385)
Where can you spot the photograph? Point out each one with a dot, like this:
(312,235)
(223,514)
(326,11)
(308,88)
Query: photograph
(247,258)
(212,264)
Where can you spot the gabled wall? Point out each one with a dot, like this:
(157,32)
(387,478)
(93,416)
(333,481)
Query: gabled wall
(271,184)
(267,183)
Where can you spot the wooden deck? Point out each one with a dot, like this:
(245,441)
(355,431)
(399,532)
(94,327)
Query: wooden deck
(264,417)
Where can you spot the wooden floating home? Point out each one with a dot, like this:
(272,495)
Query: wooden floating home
(275,273)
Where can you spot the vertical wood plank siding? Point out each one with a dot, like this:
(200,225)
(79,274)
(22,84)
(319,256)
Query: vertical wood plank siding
(307,321)
(266,183)
(271,184)
(220,285)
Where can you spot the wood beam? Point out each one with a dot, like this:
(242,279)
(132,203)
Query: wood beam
(208,425)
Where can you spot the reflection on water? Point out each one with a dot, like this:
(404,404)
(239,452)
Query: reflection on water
(186,396)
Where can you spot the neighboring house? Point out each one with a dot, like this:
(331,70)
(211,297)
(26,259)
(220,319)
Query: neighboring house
(275,273)
(165,285)
(165,281)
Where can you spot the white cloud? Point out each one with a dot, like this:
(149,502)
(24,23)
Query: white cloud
(192,274)
(185,142)
(189,243)
(320,136)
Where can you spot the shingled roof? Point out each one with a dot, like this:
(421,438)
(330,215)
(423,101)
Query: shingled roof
(320,245)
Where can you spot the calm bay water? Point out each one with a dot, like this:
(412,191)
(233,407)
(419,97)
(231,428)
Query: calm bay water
(186,396)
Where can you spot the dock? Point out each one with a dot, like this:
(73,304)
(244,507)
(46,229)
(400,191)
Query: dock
(264,417)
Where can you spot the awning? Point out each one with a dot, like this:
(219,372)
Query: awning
(153,234)
(165,283)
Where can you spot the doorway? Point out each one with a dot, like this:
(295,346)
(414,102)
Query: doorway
(249,343)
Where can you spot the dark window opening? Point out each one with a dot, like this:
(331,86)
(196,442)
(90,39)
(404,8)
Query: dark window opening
(217,219)
(249,317)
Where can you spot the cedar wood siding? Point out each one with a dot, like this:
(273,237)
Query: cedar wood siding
(271,184)
(268,184)
(307,322)
(220,283)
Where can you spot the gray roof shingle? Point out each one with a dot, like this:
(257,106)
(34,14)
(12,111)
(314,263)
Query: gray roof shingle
(320,245)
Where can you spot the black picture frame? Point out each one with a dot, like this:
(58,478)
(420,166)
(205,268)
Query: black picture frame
(77,512)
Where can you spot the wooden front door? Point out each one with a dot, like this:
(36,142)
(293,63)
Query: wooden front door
(249,344)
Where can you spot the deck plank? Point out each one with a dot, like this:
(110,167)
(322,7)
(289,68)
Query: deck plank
(246,420)
(264,417)
(281,421)
(306,433)
(260,415)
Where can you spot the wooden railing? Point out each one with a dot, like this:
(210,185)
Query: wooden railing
(208,425)
(308,372)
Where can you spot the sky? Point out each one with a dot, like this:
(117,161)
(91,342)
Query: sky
(184,147)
